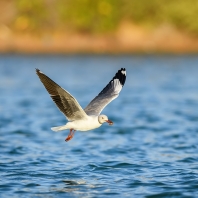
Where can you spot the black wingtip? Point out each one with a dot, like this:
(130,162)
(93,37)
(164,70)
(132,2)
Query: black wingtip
(121,75)
(37,70)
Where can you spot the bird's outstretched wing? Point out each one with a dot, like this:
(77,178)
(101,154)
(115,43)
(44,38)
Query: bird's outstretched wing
(109,93)
(67,104)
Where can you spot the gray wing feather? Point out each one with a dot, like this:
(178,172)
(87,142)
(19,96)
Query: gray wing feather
(66,103)
(109,93)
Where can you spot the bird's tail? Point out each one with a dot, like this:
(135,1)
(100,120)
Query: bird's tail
(59,128)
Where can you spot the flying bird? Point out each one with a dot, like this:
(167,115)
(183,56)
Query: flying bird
(89,118)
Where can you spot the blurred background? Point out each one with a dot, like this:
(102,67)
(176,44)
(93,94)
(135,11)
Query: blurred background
(151,150)
(98,26)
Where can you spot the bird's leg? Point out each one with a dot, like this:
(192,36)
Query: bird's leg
(71,135)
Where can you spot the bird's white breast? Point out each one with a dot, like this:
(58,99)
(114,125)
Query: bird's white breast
(86,124)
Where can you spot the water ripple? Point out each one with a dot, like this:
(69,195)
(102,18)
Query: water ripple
(150,151)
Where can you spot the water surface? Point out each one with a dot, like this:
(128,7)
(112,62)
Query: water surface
(150,151)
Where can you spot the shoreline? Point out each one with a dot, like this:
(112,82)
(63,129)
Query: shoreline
(128,39)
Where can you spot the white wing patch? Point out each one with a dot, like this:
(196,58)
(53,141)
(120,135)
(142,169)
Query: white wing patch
(123,72)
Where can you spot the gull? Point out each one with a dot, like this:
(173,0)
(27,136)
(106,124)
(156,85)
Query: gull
(89,118)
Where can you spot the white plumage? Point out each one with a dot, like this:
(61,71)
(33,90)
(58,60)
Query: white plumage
(89,118)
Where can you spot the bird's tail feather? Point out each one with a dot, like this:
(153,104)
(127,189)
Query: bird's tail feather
(59,128)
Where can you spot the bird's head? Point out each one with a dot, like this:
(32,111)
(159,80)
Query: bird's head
(103,118)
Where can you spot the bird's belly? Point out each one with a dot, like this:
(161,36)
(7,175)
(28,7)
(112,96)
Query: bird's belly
(85,125)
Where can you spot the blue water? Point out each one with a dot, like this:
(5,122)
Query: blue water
(150,151)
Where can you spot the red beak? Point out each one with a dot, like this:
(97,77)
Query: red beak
(110,122)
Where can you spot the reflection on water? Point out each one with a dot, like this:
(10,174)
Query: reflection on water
(150,151)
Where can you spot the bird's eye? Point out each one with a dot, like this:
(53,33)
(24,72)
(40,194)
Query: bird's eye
(102,118)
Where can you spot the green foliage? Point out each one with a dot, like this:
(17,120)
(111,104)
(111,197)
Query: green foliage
(89,15)
(31,15)
(182,14)
(98,16)
(143,10)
